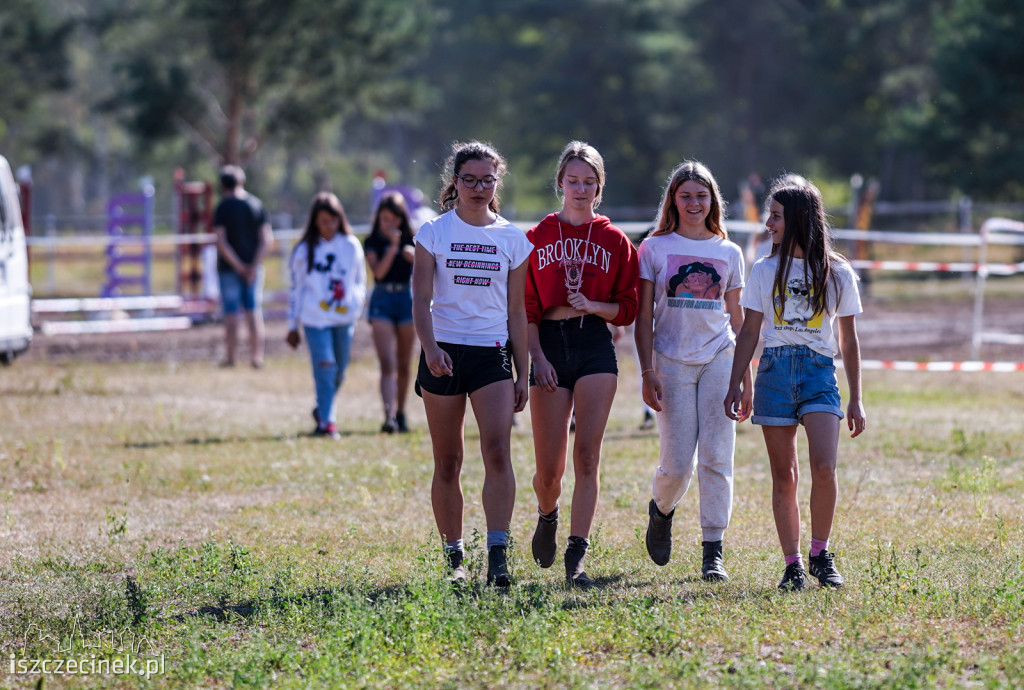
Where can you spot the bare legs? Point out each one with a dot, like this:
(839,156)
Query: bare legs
(822,441)
(550,413)
(257,335)
(492,406)
(394,345)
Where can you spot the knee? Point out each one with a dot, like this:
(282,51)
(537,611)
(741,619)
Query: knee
(388,367)
(586,461)
(785,480)
(823,471)
(448,469)
(674,472)
(547,478)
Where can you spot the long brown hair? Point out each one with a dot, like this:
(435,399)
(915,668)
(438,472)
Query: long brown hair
(667,221)
(803,213)
(323,201)
(471,151)
(394,202)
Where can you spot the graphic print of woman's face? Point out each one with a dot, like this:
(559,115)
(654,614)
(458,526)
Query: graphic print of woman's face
(695,279)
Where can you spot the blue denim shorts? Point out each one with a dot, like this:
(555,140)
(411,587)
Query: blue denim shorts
(793,380)
(388,303)
(237,294)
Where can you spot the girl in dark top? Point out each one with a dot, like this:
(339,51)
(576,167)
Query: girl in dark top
(389,251)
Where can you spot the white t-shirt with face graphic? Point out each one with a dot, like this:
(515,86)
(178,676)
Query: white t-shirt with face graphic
(470,304)
(690,280)
(798,325)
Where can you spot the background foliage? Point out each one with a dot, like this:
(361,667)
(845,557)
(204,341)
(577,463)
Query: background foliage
(923,95)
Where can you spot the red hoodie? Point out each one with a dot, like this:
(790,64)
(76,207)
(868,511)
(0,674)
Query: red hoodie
(610,274)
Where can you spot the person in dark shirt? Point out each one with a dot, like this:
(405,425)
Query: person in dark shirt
(244,238)
(390,250)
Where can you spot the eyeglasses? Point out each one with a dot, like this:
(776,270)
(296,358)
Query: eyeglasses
(471,181)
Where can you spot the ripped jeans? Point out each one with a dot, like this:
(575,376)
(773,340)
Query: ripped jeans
(329,350)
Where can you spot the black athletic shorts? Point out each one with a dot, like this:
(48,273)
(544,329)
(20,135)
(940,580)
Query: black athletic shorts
(473,367)
(576,352)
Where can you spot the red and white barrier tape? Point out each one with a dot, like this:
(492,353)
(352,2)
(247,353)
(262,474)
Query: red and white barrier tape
(968,366)
(931,266)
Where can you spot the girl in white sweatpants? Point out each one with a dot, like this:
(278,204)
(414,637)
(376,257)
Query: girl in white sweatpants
(688,315)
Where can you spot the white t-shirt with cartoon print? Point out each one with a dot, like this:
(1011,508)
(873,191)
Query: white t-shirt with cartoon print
(798,325)
(470,304)
(690,280)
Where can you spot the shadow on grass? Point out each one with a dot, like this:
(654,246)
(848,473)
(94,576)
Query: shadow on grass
(215,440)
(527,597)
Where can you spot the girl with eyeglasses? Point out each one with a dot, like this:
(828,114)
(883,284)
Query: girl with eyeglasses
(469,277)
(582,277)
(795,298)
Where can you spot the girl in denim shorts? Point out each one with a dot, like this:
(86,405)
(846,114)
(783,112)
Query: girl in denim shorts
(804,289)
(390,250)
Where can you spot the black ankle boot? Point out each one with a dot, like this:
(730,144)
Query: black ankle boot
(544,546)
(497,567)
(575,552)
(457,570)
(712,569)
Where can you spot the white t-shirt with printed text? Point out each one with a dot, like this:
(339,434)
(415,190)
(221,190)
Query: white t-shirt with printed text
(470,302)
(798,325)
(690,280)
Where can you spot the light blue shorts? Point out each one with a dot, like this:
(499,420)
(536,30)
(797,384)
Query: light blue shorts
(237,294)
(391,302)
(793,380)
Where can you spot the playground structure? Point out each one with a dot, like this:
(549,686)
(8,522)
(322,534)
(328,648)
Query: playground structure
(194,218)
(130,216)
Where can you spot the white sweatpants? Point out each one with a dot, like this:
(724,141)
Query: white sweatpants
(695,433)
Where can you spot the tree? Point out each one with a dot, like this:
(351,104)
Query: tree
(231,74)
(976,128)
(33,59)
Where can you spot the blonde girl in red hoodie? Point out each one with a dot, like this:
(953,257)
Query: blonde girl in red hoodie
(582,276)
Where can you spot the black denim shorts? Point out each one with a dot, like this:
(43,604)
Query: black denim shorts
(577,349)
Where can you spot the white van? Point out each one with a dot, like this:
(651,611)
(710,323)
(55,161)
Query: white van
(15,291)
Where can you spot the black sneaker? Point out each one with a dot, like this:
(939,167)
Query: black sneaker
(329,430)
(794,577)
(457,567)
(575,553)
(659,534)
(823,568)
(403,428)
(497,567)
(648,421)
(388,427)
(544,545)
(712,569)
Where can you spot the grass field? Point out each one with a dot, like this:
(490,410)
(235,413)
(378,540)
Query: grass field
(179,513)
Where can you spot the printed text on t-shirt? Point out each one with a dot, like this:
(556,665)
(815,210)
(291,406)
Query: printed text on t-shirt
(472,280)
(573,249)
(471,248)
(470,263)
